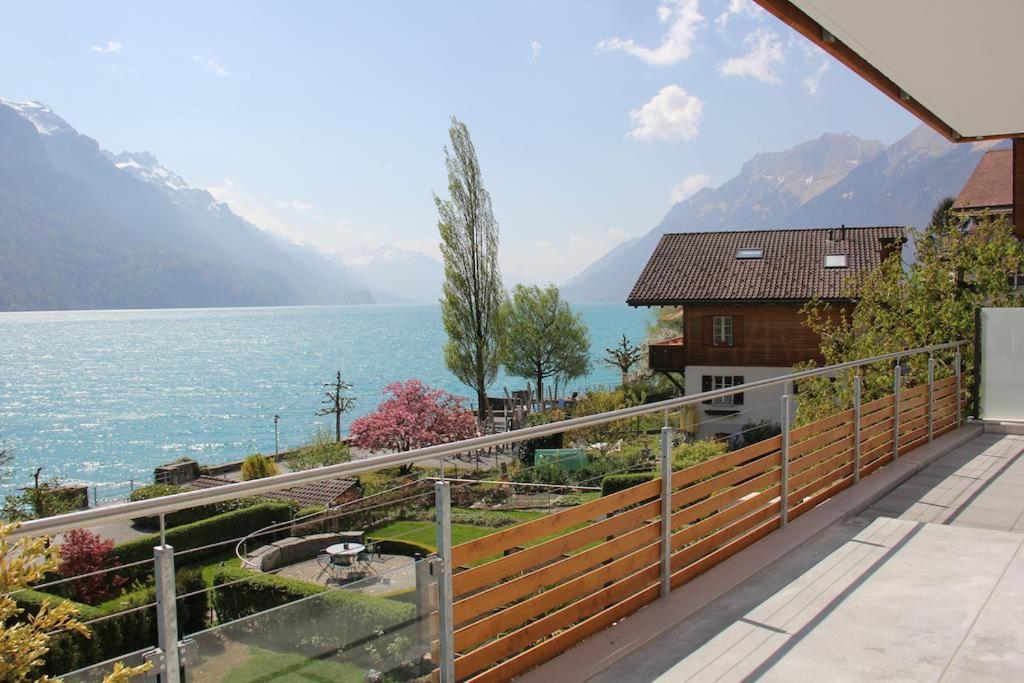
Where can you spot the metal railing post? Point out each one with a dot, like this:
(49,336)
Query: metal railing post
(166,611)
(931,397)
(897,381)
(666,510)
(784,458)
(956,370)
(445,612)
(856,428)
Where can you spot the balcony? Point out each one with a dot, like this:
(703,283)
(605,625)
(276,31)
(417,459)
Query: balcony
(667,356)
(660,578)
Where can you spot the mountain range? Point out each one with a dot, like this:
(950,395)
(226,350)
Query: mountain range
(82,227)
(836,179)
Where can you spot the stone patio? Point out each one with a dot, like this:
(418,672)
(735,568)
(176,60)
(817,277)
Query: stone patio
(388,574)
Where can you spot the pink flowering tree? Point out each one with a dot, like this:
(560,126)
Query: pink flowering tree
(414,416)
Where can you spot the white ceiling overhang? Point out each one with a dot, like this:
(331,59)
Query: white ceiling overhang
(960,60)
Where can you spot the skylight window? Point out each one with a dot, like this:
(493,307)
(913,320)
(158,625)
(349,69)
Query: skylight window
(835,260)
(749,253)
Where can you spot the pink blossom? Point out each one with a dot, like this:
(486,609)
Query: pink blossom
(414,416)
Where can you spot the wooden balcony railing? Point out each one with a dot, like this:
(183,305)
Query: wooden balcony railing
(529,592)
(668,355)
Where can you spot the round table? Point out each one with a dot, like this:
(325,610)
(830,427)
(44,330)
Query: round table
(345,549)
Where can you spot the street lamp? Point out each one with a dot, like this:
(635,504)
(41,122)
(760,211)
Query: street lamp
(276,419)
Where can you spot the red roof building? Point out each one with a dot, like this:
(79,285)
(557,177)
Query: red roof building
(990,187)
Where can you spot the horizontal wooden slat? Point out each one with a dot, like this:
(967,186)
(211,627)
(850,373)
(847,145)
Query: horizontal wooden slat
(875,430)
(912,424)
(561,642)
(723,519)
(705,488)
(874,418)
(917,402)
(824,479)
(820,455)
(824,467)
(509,591)
(822,425)
(875,459)
(726,551)
(721,463)
(914,392)
(521,534)
(724,499)
(515,642)
(517,615)
(819,498)
(534,556)
(723,536)
(822,439)
(946,382)
(876,405)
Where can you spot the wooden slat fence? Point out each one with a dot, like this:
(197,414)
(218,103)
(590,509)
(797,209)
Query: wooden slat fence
(529,592)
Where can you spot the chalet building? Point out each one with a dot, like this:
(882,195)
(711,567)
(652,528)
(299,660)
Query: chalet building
(740,295)
(990,187)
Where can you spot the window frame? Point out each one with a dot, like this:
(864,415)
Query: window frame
(749,253)
(723,382)
(728,328)
(845,261)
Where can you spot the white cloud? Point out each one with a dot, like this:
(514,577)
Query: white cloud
(737,8)
(295,205)
(683,17)
(535,50)
(689,186)
(211,65)
(760,61)
(812,81)
(669,116)
(110,46)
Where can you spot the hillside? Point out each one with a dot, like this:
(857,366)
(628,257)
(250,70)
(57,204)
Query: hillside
(833,180)
(81,228)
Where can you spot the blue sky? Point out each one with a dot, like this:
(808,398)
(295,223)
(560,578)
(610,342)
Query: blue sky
(325,120)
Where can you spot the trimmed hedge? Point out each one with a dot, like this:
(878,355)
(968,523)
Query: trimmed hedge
(188,515)
(393,546)
(223,527)
(325,622)
(120,634)
(613,483)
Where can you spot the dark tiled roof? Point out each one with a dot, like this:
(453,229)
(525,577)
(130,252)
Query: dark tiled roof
(990,184)
(316,493)
(702,266)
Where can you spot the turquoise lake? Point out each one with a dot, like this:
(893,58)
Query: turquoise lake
(104,396)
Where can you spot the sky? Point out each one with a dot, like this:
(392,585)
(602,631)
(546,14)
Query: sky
(325,121)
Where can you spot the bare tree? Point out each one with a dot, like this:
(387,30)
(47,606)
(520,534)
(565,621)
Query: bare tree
(623,356)
(337,402)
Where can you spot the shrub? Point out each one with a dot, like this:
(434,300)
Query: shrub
(759,431)
(688,454)
(84,552)
(258,466)
(322,451)
(223,527)
(609,433)
(325,622)
(614,483)
(524,451)
(485,518)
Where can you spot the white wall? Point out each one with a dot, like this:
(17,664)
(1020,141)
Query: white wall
(759,404)
(1002,364)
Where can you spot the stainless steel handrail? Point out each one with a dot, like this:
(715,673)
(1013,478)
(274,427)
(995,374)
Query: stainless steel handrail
(180,501)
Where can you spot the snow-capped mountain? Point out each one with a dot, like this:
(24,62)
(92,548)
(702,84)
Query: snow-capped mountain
(84,228)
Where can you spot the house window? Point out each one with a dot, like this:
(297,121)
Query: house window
(749,253)
(722,331)
(835,260)
(713,382)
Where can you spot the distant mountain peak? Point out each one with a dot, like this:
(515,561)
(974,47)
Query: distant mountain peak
(40,115)
(146,167)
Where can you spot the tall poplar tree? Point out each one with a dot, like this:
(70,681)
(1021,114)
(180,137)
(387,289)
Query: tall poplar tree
(473,293)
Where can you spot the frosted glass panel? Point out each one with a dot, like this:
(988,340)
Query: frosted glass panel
(1002,364)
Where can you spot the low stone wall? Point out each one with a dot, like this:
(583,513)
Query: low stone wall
(297,549)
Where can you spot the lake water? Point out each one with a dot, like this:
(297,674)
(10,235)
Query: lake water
(104,396)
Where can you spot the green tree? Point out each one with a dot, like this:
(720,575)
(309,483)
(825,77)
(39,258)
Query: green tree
(929,302)
(544,337)
(473,293)
(607,434)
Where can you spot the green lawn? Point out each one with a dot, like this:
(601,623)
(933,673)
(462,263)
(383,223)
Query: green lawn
(425,532)
(263,665)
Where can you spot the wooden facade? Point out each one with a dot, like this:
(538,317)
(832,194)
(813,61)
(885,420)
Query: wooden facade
(763,335)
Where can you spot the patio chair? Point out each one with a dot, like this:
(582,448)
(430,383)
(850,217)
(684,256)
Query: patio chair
(326,567)
(364,561)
